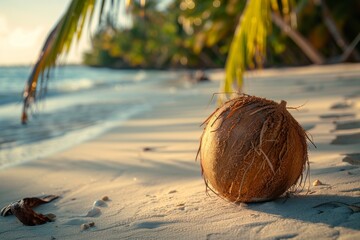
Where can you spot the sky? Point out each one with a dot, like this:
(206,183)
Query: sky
(24,26)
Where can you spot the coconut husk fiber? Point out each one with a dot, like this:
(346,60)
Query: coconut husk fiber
(252,150)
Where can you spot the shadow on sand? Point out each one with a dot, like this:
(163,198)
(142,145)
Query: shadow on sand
(332,210)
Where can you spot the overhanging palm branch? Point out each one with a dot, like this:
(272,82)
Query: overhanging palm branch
(58,43)
(248,48)
(249,44)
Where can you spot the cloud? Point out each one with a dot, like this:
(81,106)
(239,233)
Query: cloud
(24,38)
(3,26)
(19,44)
(23,31)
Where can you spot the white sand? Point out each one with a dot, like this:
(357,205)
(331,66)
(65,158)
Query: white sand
(159,194)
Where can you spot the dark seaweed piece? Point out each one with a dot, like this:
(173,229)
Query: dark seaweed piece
(22,209)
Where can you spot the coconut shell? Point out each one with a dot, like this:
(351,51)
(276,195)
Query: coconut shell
(252,150)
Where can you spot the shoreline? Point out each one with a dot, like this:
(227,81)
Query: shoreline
(147,168)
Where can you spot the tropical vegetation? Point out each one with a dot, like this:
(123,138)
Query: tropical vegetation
(235,34)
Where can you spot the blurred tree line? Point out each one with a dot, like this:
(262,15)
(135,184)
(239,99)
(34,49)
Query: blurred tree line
(198,34)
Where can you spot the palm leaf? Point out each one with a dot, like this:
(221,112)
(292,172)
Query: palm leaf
(248,47)
(58,43)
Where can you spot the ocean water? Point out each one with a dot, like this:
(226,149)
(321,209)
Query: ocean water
(81,103)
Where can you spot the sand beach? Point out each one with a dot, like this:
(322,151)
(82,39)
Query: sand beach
(146,167)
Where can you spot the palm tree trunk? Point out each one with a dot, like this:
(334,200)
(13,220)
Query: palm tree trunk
(334,31)
(349,49)
(305,46)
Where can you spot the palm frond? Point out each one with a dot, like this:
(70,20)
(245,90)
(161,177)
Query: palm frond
(58,43)
(248,47)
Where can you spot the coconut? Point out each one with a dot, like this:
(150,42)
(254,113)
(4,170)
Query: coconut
(252,150)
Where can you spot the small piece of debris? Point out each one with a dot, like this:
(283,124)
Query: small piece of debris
(182,208)
(105,198)
(317,182)
(172,191)
(99,203)
(148,149)
(152,149)
(86,226)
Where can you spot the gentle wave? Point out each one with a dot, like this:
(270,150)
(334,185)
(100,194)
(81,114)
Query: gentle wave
(81,103)
(74,85)
(27,151)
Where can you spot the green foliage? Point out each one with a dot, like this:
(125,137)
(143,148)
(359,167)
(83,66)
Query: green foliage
(200,34)
(248,47)
(151,42)
(206,22)
(186,34)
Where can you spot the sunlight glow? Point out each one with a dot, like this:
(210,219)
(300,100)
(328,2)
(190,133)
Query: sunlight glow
(183,6)
(127,4)
(187,4)
(197,21)
(3,26)
(205,14)
(216,3)
(183,60)
(23,31)
(191,5)
(24,38)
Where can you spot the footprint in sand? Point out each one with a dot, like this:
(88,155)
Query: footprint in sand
(337,115)
(352,158)
(313,88)
(75,221)
(338,207)
(346,139)
(181,206)
(308,127)
(283,236)
(353,190)
(211,236)
(347,125)
(342,105)
(150,224)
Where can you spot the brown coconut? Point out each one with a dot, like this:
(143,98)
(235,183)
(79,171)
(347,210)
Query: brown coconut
(252,150)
